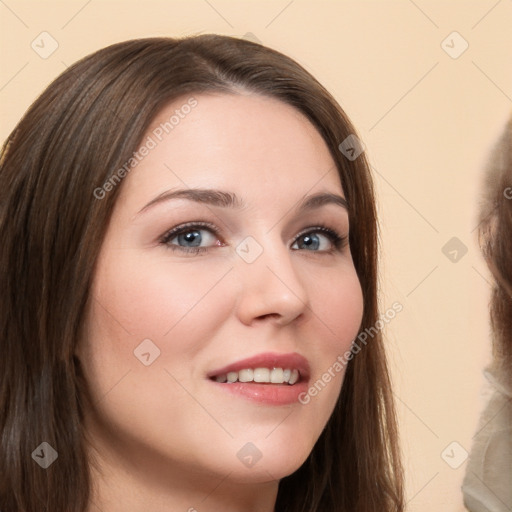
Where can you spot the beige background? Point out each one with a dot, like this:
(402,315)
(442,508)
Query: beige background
(428,121)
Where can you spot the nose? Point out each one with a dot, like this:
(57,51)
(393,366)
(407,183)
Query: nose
(270,288)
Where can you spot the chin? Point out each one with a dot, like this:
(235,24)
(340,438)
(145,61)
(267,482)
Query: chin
(263,460)
(272,471)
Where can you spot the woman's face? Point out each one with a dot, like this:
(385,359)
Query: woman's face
(226,259)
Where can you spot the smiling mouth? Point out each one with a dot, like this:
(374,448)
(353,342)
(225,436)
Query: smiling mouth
(288,376)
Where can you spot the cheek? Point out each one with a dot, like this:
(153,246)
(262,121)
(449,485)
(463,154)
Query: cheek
(337,311)
(153,298)
(337,307)
(135,300)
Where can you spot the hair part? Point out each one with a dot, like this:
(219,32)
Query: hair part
(78,133)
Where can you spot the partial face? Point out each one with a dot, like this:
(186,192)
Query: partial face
(225,289)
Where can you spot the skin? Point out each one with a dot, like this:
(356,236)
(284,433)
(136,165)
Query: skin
(164,437)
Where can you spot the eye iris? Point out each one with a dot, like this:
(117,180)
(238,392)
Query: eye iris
(190,239)
(310,242)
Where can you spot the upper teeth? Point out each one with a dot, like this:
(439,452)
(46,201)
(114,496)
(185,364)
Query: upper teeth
(273,376)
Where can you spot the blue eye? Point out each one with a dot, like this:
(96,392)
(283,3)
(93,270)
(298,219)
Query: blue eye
(195,238)
(319,239)
(191,238)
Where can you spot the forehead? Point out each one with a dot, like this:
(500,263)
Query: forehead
(247,143)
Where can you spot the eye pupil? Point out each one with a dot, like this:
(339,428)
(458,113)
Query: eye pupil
(310,242)
(191,238)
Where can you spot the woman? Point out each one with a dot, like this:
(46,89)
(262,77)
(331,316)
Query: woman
(181,291)
(487,483)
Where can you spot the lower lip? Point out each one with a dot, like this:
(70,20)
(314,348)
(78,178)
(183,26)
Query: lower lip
(270,394)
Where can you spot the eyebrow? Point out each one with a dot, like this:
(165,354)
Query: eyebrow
(199,195)
(321,199)
(225,199)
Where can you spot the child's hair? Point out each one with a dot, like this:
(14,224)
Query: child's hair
(495,235)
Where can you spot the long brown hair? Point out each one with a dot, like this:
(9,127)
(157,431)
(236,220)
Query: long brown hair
(72,140)
(495,236)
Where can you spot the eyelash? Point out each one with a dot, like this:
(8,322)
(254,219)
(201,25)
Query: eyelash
(338,241)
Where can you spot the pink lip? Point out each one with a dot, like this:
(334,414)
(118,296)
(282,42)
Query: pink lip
(271,394)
